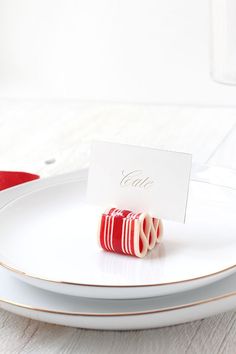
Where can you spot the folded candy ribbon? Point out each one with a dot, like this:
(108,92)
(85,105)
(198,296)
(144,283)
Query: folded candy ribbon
(11,178)
(125,232)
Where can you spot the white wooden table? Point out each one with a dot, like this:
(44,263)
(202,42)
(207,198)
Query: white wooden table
(53,137)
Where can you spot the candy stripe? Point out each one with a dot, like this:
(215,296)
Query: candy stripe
(130,231)
(117,232)
(105,233)
(126,235)
(125,232)
(111,234)
(123,235)
(132,238)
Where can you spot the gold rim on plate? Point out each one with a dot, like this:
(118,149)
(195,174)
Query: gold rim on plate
(25,274)
(119,314)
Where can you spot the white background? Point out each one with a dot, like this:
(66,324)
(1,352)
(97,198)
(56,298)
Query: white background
(118,50)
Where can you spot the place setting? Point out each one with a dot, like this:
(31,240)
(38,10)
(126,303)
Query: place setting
(137,241)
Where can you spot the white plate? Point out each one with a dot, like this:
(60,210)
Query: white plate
(45,241)
(23,299)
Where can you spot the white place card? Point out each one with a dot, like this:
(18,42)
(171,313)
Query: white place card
(140,179)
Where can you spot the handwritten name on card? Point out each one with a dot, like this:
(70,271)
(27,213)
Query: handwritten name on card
(140,179)
(136,179)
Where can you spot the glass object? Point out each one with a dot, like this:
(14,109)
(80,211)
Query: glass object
(223,41)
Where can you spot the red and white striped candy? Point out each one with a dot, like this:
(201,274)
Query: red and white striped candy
(122,231)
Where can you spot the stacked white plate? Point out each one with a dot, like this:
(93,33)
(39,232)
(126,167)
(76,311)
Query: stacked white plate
(53,270)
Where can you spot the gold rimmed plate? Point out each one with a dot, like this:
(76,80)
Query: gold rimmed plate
(28,301)
(48,239)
